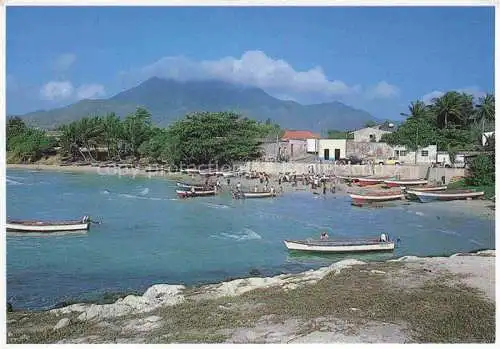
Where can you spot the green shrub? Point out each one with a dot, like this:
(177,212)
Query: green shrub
(482,171)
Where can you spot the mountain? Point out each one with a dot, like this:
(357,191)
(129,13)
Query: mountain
(170,100)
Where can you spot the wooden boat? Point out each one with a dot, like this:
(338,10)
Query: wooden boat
(187,193)
(366,181)
(197,186)
(404,182)
(446,195)
(427,188)
(255,195)
(47,226)
(353,179)
(375,197)
(354,245)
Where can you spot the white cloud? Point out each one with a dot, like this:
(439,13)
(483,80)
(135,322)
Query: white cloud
(427,98)
(64,62)
(471,90)
(56,90)
(254,68)
(90,91)
(383,90)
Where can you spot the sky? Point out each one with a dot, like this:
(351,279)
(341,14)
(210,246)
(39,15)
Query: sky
(376,59)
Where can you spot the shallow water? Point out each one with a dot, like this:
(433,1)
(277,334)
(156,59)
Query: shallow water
(148,236)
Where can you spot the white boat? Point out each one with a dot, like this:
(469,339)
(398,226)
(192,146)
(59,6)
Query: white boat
(47,226)
(427,188)
(404,182)
(376,197)
(264,194)
(446,195)
(355,245)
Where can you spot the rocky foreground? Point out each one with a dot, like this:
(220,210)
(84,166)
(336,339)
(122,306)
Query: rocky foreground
(439,299)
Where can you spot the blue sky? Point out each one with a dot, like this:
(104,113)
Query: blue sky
(377,59)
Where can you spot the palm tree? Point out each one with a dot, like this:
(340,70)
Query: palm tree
(417,109)
(446,108)
(485,111)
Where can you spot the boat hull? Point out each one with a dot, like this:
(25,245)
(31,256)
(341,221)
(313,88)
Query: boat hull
(15,227)
(258,195)
(363,199)
(425,197)
(403,183)
(426,189)
(341,248)
(188,194)
(189,186)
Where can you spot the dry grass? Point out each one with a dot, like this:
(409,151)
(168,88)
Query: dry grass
(434,310)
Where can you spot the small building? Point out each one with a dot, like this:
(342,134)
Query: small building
(370,134)
(332,149)
(294,143)
(425,155)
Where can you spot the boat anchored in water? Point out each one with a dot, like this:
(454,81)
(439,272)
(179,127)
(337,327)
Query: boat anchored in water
(32,226)
(188,193)
(254,195)
(383,243)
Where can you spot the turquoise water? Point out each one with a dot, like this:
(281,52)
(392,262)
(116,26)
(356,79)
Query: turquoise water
(147,236)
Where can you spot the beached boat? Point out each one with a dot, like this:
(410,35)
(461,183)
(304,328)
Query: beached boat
(375,197)
(354,245)
(188,193)
(427,188)
(28,226)
(404,182)
(366,181)
(446,195)
(255,195)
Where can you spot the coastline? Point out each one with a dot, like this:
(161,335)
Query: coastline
(144,316)
(481,208)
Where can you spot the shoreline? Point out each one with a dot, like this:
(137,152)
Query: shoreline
(474,270)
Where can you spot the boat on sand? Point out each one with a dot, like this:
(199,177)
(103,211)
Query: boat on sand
(375,197)
(338,246)
(427,188)
(366,181)
(446,195)
(33,226)
(404,182)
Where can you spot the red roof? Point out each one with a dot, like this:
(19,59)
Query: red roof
(292,134)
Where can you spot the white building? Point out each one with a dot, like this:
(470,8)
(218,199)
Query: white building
(426,155)
(331,149)
(370,134)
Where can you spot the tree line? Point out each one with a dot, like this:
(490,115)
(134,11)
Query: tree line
(198,138)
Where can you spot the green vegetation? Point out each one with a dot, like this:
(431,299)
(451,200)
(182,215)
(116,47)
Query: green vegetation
(336,134)
(451,121)
(199,138)
(25,144)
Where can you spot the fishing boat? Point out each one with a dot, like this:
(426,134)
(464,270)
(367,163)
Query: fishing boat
(427,188)
(32,226)
(446,195)
(196,186)
(353,245)
(366,181)
(187,193)
(404,182)
(255,195)
(375,197)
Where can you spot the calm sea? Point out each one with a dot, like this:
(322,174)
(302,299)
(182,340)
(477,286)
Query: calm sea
(148,236)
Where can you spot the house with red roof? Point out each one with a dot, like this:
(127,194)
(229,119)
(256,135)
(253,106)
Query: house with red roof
(298,144)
